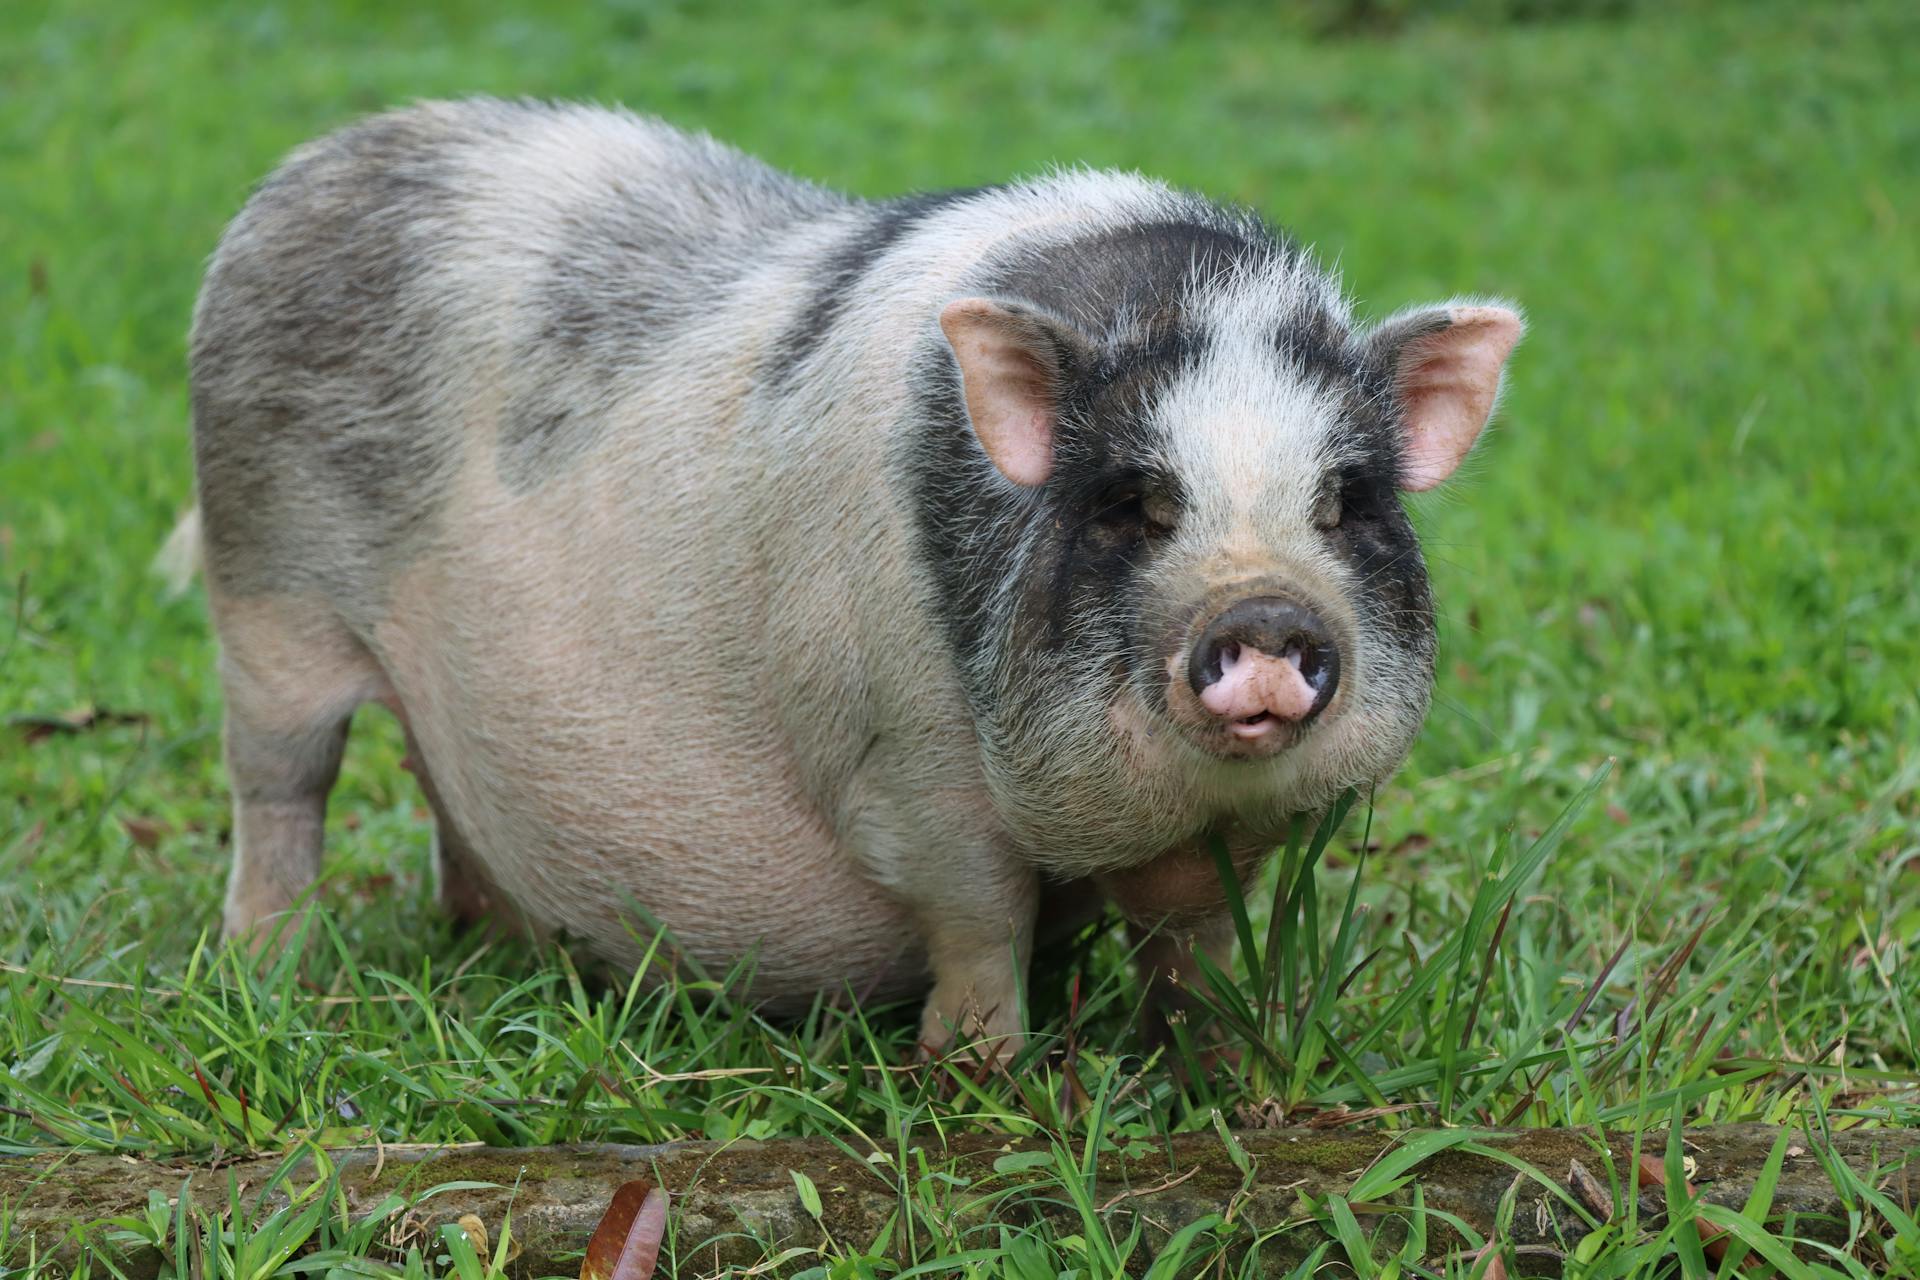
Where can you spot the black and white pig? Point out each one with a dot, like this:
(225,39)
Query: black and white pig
(817,578)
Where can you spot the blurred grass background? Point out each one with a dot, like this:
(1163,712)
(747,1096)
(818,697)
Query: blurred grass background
(1690,544)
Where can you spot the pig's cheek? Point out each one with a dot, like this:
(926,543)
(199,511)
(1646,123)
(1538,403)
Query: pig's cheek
(1133,725)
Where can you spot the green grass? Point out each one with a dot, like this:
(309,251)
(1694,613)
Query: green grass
(1690,548)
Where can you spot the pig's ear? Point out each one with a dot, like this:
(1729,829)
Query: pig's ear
(1446,363)
(1011,360)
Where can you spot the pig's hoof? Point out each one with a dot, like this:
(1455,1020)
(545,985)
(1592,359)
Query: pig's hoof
(467,907)
(985,1042)
(266,935)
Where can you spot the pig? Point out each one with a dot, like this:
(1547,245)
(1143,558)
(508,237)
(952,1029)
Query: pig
(858,587)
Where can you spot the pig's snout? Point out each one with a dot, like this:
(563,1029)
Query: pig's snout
(1262,663)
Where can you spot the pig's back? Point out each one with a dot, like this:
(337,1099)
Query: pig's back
(450,279)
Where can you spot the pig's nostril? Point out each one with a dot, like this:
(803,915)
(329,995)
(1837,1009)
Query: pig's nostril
(1318,664)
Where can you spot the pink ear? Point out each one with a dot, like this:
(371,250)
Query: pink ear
(1448,377)
(1009,369)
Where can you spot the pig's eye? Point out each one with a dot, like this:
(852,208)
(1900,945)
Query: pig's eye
(1162,514)
(1134,511)
(1328,510)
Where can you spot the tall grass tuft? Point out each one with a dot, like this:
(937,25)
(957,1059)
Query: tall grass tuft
(1282,1015)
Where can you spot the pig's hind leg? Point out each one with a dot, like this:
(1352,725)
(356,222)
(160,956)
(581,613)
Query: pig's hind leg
(460,883)
(292,674)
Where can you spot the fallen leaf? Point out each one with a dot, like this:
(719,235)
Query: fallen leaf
(1496,1262)
(38,727)
(1269,1113)
(476,1233)
(1652,1175)
(1713,1239)
(372,888)
(145,832)
(626,1244)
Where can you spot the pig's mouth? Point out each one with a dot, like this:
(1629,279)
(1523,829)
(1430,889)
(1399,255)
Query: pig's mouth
(1252,732)
(1254,726)
(1253,737)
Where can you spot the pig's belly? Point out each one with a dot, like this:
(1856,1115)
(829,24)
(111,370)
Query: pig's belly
(597,798)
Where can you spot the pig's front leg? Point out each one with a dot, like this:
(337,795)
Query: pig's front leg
(979,943)
(1176,911)
(1167,955)
(938,847)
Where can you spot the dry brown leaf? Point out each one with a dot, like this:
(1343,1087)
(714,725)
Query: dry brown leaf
(476,1233)
(39,727)
(1713,1239)
(147,833)
(626,1244)
(1652,1175)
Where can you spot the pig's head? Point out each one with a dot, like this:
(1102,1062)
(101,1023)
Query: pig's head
(1163,510)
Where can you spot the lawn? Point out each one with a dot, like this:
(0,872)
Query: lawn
(1688,549)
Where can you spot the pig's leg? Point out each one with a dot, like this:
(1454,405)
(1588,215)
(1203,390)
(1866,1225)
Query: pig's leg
(1169,967)
(458,883)
(930,844)
(457,880)
(979,961)
(1176,911)
(292,676)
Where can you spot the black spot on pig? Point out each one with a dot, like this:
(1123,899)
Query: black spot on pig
(881,226)
(304,356)
(1094,535)
(1321,346)
(603,287)
(1391,594)
(1374,536)
(1136,276)
(617,280)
